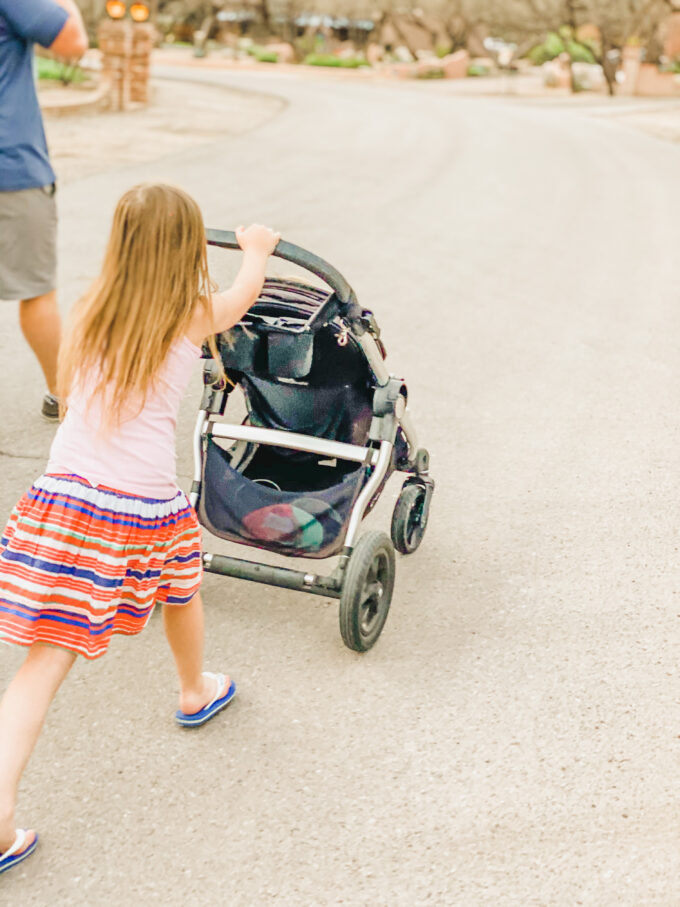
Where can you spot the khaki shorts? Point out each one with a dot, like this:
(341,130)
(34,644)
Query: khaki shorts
(28,243)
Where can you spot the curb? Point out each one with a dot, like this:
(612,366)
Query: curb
(168,58)
(88,102)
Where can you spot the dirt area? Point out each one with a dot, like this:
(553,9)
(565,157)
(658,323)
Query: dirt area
(180,115)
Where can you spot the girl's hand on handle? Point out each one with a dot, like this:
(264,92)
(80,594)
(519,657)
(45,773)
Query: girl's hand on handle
(257,238)
(227,308)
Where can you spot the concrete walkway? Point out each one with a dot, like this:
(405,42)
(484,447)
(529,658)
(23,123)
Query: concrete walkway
(180,117)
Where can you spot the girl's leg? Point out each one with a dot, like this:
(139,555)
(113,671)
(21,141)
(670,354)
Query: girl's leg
(184,630)
(22,713)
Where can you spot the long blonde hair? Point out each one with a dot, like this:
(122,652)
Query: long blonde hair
(155,273)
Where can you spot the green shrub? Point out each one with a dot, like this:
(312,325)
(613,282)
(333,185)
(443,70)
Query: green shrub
(552,47)
(580,53)
(476,69)
(555,44)
(431,73)
(58,72)
(262,54)
(267,56)
(331,60)
(322,60)
(304,45)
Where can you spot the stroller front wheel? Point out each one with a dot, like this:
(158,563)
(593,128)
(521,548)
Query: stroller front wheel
(409,518)
(367,591)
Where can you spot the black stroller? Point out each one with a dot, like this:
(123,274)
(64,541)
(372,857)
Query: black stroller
(326,426)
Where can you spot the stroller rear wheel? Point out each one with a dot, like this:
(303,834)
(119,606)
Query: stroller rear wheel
(367,591)
(409,518)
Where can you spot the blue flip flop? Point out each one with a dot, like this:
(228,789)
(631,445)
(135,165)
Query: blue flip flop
(196,719)
(10,857)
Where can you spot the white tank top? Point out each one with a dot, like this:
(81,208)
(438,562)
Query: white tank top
(138,456)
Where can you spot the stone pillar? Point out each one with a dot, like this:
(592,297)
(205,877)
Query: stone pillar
(126,53)
(115,42)
(143,34)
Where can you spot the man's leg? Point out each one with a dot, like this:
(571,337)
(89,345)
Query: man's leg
(22,714)
(41,324)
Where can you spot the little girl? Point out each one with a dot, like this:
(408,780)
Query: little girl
(106,533)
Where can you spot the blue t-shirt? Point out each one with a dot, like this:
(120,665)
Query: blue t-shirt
(24,161)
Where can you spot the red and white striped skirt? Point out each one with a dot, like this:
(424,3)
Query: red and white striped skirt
(79,563)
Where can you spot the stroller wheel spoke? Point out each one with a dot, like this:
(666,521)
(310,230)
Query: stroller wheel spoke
(373,592)
(370,605)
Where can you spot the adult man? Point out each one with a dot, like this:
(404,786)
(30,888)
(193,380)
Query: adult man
(28,217)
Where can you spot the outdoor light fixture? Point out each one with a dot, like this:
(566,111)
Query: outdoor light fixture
(115,9)
(139,12)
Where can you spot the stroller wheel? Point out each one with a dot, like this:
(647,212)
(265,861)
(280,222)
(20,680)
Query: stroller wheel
(367,591)
(409,519)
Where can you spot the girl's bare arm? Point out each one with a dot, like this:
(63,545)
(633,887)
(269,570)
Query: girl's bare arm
(230,306)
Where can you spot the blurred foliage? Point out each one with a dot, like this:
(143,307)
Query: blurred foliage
(263,54)
(537,29)
(430,73)
(556,44)
(56,71)
(332,60)
(477,69)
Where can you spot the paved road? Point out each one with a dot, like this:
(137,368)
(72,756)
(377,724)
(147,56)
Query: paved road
(513,738)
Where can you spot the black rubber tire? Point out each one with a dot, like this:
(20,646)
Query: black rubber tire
(408,528)
(367,591)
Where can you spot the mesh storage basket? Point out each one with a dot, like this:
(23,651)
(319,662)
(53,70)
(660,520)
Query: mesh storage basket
(254,511)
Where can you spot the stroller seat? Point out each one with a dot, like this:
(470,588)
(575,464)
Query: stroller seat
(252,493)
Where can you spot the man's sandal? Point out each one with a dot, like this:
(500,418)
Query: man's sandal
(10,857)
(196,719)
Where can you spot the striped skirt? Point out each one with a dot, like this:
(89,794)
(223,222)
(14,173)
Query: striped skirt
(79,563)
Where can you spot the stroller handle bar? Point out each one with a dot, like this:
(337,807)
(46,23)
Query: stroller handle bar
(226,239)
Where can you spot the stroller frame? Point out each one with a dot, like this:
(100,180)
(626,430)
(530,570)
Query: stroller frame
(390,416)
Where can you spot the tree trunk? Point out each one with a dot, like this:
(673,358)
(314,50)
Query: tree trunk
(609,66)
(394,21)
(265,18)
(457,33)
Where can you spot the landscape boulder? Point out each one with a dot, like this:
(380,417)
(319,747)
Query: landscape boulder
(455,66)
(374,53)
(428,68)
(284,52)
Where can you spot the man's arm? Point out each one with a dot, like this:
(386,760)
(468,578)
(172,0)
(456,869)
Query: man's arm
(72,39)
(54,24)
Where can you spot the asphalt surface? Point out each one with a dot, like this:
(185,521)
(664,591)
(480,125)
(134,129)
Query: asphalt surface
(513,737)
